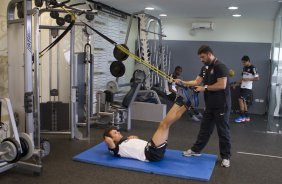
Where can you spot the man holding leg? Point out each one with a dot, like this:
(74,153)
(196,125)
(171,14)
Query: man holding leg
(214,76)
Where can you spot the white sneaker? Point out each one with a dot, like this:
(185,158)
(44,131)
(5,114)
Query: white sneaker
(189,152)
(200,116)
(194,117)
(225,163)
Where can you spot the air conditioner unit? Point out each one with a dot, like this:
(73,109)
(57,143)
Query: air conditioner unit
(203,25)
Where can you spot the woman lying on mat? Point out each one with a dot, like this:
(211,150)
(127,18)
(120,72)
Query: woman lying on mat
(133,147)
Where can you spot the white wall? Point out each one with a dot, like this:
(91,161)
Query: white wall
(3,50)
(233,30)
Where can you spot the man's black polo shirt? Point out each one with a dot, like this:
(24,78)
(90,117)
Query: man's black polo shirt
(210,74)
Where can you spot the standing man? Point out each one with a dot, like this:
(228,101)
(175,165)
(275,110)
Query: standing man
(214,76)
(249,75)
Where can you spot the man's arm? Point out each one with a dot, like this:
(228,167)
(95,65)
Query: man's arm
(195,82)
(251,79)
(109,141)
(255,75)
(219,85)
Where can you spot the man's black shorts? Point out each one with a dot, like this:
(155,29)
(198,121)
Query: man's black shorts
(154,153)
(182,101)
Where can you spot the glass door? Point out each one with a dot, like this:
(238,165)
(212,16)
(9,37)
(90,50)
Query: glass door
(275,100)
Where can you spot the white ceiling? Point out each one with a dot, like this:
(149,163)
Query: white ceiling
(250,9)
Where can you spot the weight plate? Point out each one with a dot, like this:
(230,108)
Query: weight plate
(28,149)
(117,69)
(12,148)
(120,55)
(9,150)
(112,86)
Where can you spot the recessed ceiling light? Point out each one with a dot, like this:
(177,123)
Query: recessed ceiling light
(163,15)
(149,8)
(237,15)
(233,8)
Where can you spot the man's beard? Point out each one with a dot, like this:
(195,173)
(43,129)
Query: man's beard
(207,63)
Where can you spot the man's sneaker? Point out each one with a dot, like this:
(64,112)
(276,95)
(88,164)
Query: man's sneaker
(240,119)
(189,152)
(247,119)
(225,163)
(194,117)
(199,116)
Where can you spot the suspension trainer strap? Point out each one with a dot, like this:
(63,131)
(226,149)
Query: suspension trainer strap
(136,58)
(49,47)
(101,34)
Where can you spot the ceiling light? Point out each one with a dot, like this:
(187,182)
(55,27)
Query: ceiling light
(233,8)
(163,15)
(149,8)
(237,15)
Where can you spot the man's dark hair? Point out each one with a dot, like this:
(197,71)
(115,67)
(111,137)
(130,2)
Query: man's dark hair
(177,68)
(245,58)
(108,130)
(204,49)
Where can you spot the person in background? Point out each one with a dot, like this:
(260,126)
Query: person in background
(172,88)
(249,75)
(215,78)
(193,112)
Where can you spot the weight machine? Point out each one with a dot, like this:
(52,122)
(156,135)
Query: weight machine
(58,119)
(23,28)
(17,147)
(154,52)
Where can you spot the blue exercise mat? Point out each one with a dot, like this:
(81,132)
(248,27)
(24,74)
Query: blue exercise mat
(173,164)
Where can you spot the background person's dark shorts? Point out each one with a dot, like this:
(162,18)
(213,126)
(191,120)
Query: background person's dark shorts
(245,94)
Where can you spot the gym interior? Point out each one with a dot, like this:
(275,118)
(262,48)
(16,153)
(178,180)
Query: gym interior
(70,69)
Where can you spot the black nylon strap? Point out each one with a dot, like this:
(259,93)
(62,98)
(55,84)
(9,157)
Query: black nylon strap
(49,47)
(100,34)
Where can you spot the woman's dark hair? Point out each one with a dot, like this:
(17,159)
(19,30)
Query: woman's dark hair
(108,130)
(204,49)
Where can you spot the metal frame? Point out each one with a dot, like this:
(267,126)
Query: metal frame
(74,131)
(29,114)
(4,166)
(28,104)
(159,51)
